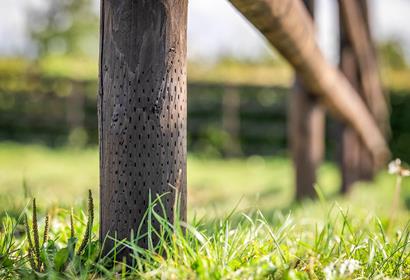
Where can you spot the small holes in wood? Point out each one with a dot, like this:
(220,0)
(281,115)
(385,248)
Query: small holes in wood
(143,117)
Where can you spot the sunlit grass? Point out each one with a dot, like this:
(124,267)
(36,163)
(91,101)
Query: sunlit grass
(338,243)
(266,236)
(215,186)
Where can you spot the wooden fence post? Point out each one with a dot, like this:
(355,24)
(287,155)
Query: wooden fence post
(349,144)
(306,133)
(231,102)
(142,113)
(358,63)
(76,112)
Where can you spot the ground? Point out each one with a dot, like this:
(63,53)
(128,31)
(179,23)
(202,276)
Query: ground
(243,224)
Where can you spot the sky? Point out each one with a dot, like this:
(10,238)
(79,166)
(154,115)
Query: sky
(216,29)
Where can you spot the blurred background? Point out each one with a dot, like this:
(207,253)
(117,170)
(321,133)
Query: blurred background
(238,89)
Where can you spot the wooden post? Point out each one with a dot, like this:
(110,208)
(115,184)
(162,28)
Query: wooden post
(358,63)
(287,25)
(306,133)
(231,102)
(75,105)
(356,29)
(142,112)
(76,111)
(350,145)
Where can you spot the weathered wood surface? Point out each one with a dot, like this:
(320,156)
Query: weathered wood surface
(306,133)
(142,112)
(287,26)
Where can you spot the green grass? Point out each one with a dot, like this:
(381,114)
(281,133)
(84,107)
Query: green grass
(266,236)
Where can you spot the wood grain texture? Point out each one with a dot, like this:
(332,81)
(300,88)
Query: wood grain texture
(142,112)
(287,26)
(306,133)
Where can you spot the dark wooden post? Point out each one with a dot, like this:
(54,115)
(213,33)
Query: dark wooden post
(349,144)
(306,133)
(76,111)
(355,22)
(142,112)
(231,102)
(358,63)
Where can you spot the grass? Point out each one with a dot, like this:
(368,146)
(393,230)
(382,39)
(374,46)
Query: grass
(242,224)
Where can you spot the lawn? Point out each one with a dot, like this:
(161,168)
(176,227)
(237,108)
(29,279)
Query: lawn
(243,224)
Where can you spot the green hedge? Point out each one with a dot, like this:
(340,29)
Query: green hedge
(47,105)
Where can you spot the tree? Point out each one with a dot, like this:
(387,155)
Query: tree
(392,55)
(64,27)
(142,112)
(306,133)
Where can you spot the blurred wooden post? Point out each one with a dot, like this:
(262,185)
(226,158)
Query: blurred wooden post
(349,144)
(142,116)
(76,108)
(306,133)
(355,21)
(358,63)
(231,119)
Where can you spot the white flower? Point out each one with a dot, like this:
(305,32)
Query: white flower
(330,271)
(344,269)
(348,267)
(396,168)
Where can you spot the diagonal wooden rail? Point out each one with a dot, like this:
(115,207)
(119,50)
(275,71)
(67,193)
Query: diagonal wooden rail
(287,25)
(353,16)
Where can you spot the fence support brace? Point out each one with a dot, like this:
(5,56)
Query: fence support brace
(287,25)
